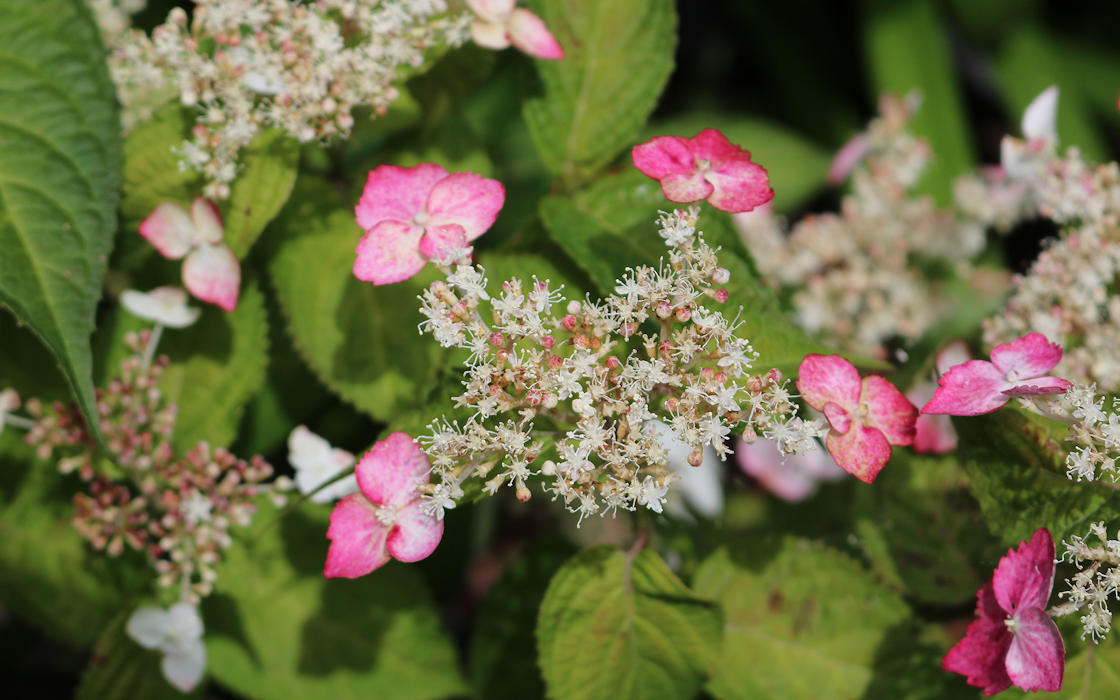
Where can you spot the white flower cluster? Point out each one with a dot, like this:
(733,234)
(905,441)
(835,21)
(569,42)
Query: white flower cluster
(1095,432)
(853,275)
(568,395)
(302,67)
(1097,580)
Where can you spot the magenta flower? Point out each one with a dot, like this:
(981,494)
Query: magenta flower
(211,272)
(1013,639)
(1017,368)
(866,417)
(500,24)
(384,520)
(706,166)
(411,215)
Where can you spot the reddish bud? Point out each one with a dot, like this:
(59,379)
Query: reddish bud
(568,322)
(682,314)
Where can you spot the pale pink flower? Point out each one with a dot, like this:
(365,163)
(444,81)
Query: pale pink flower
(211,272)
(866,417)
(848,157)
(499,23)
(385,520)
(791,478)
(1040,135)
(412,215)
(935,433)
(706,166)
(1013,640)
(1016,369)
(177,633)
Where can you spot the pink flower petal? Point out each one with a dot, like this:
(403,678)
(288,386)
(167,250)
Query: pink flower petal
(1039,386)
(490,35)
(825,378)
(390,471)
(1036,659)
(740,186)
(838,417)
(438,242)
(664,155)
(492,10)
(357,539)
(971,389)
(849,155)
(862,451)
(1027,357)
(1024,578)
(980,655)
(888,410)
(207,221)
(466,200)
(212,273)
(389,252)
(934,435)
(711,145)
(170,230)
(529,34)
(686,187)
(792,478)
(396,193)
(415,535)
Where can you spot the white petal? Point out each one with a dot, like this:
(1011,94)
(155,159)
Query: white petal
(491,35)
(164,305)
(148,626)
(184,667)
(207,221)
(1040,116)
(185,624)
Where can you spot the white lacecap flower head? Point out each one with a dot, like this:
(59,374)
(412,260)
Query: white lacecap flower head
(166,306)
(316,462)
(177,633)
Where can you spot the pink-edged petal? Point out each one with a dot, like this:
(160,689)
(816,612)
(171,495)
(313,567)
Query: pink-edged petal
(686,187)
(979,657)
(1039,386)
(438,242)
(739,185)
(492,10)
(711,145)
(357,539)
(212,273)
(889,410)
(849,155)
(415,535)
(529,34)
(1036,659)
(1025,577)
(389,252)
(825,378)
(396,193)
(390,471)
(170,230)
(971,389)
(838,417)
(862,451)
(467,200)
(1027,357)
(934,435)
(490,35)
(664,155)
(207,221)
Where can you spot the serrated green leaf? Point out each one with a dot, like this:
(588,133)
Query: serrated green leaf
(276,628)
(802,621)
(618,56)
(1092,671)
(151,167)
(60,167)
(121,669)
(618,626)
(263,185)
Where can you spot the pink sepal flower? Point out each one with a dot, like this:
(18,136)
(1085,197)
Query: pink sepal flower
(935,433)
(211,272)
(500,24)
(866,417)
(385,520)
(1013,640)
(706,166)
(791,478)
(411,215)
(1017,368)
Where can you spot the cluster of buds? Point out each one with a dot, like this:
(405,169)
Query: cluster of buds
(853,275)
(248,65)
(569,396)
(1097,579)
(1095,432)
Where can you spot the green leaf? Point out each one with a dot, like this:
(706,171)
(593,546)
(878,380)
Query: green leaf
(263,185)
(907,48)
(60,167)
(121,669)
(618,56)
(276,628)
(617,626)
(802,621)
(1093,671)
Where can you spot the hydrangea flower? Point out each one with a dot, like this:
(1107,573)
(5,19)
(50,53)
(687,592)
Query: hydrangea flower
(791,478)
(177,633)
(412,215)
(1017,369)
(316,462)
(935,433)
(211,272)
(1019,157)
(866,417)
(1014,640)
(500,24)
(166,306)
(385,520)
(706,166)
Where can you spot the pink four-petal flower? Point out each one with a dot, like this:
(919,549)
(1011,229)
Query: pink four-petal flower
(706,166)
(499,23)
(866,417)
(1013,640)
(211,272)
(385,520)
(411,215)
(1017,369)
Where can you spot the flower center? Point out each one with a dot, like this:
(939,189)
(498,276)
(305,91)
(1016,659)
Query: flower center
(1012,624)
(1013,376)
(385,515)
(420,218)
(703,165)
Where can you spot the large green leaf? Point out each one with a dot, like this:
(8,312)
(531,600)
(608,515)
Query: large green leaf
(59,173)
(276,628)
(618,626)
(263,185)
(802,621)
(618,56)
(1092,671)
